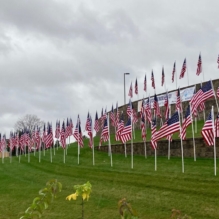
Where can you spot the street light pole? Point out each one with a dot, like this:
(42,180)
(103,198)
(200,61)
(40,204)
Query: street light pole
(124,86)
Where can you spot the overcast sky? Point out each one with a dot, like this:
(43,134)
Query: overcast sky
(61,58)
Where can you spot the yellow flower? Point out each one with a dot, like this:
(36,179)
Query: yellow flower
(85,196)
(72,196)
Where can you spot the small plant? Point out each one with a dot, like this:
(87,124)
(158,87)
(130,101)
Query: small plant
(42,201)
(176,214)
(126,211)
(83,191)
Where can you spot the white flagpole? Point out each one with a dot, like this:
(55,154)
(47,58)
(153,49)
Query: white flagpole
(51,153)
(155,160)
(125,149)
(64,154)
(92,130)
(195,124)
(78,143)
(193,137)
(181,143)
(109,144)
(155,154)
(169,106)
(131,146)
(212,113)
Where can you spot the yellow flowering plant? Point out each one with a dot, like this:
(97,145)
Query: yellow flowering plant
(83,191)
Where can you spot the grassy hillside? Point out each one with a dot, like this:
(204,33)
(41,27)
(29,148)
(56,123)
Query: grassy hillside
(152,194)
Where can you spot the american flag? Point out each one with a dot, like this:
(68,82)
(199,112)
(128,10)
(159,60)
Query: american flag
(152,80)
(153,134)
(130,94)
(143,131)
(194,101)
(199,65)
(57,131)
(38,139)
(126,133)
(207,131)
(218,61)
(178,101)
(96,123)
(145,83)
(89,130)
(112,117)
(129,109)
(183,69)
(78,133)
(171,126)
(156,106)
(162,77)
(87,123)
(142,112)
(102,118)
(105,132)
(202,95)
(120,127)
(135,116)
(148,109)
(201,107)
(174,70)
(49,136)
(218,92)
(208,91)
(166,104)
(186,122)
(71,126)
(44,134)
(117,115)
(62,136)
(217,126)
(136,86)
(169,137)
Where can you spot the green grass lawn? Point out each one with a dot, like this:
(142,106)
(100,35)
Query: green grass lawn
(152,193)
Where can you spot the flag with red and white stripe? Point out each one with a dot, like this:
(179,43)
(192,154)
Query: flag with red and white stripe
(183,69)
(199,65)
(207,131)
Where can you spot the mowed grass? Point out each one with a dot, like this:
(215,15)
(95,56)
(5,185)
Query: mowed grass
(152,193)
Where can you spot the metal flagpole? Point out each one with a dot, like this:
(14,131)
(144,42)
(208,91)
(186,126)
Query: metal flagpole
(193,137)
(181,143)
(92,143)
(212,113)
(78,142)
(109,144)
(131,146)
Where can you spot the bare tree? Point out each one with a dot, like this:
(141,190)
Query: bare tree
(28,121)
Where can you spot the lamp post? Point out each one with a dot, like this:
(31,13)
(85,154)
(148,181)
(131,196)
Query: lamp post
(124,86)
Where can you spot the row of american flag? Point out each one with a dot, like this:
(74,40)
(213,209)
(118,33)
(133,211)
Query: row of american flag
(172,124)
(182,73)
(123,132)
